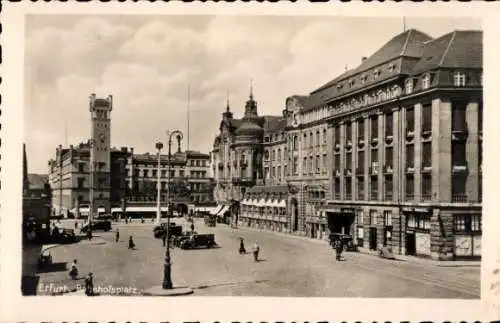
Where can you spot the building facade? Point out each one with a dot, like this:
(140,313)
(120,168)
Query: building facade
(389,152)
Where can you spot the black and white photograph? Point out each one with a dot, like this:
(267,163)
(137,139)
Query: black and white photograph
(250,155)
(253,156)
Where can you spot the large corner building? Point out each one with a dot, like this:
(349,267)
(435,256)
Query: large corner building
(389,152)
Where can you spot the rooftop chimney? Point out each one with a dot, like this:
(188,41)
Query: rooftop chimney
(363,59)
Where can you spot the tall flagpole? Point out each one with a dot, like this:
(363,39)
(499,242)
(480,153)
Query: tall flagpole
(404,24)
(188,111)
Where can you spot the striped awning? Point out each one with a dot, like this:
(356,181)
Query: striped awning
(216,210)
(223,210)
(85,210)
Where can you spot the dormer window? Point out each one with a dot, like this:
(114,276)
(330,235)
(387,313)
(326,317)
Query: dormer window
(363,78)
(459,79)
(339,86)
(391,68)
(376,73)
(409,86)
(351,83)
(426,81)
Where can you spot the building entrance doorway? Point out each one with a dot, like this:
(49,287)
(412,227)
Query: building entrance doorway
(373,239)
(340,222)
(295,214)
(410,244)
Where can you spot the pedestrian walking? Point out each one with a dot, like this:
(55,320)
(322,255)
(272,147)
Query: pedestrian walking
(73,272)
(131,244)
(76,224)
(338,249)
(117,235)
(164,238)
(89,285)
(256,250)
(242,249)
(192,227)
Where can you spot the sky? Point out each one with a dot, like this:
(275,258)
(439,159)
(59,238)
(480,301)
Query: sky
(148,62)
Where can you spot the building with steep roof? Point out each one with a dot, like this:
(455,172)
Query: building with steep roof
(405,138)
(389,152)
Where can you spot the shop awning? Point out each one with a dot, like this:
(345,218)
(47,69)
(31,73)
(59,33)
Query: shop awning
(217,209)
(205,209)
(282,203)
(261,203)
(116,209)
(85,210)
(224,209)
(144,209)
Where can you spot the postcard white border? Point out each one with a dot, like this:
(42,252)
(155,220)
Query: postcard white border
(226,309)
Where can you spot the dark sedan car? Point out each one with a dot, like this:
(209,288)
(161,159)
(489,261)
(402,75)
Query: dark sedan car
(98,225)
(64,236)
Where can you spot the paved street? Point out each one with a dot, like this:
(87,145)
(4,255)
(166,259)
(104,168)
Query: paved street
(290,266)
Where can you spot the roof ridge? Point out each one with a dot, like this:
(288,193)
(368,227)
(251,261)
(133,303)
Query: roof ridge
(447,48)
(406,43)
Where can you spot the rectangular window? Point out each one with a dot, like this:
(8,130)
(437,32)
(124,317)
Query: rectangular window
(427,154)
(361,162)
(373,217)
(337,135)
(458,154)
(459,116)
(154,172)
(389,157)
(304,166)
(348,131)
(348,188)
(81,168)
(318,140)
(337,188)
(426,187)
(374,126)
(324,136)
(172,173)
(295,143)
(361,130)
(279,172)
(294,166)
(410,187)
(361,188)
(337,162)
(81,182)
(410,120)
(361,216)
(426,118)
(411,221)
(458,187)
(459,79)
(480,118)
(388,125)
(468,223)
(388,218)
(374,188)
(311,140)
(388,188)
(410,156)
(285,170)
(325,163)
(348,161)
(181,173)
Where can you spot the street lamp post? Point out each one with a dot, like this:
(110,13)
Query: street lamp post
(91,187)
(167,277)
(159,147)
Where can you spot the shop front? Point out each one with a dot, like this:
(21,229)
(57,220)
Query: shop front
(340,220)
(467,235)
(418,232)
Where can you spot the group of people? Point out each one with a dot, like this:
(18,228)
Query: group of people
(255,249)
(89,280)
(131,243)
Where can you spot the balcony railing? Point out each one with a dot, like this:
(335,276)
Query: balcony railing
(388,195)
(388,169)
(360,171)
(459,198)
(348,196)
(347,172)
(337,196)
(336,172)
(374,195)
(459,168)
(426,196)
(410,134)
(409,196)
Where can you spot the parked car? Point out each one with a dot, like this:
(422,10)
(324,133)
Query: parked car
(210,221)
(45,259)
(97,225)
(347,241)
(173,230)
(199,240)
(66,236)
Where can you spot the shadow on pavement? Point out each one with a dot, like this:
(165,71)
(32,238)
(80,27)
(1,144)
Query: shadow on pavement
(54,267)
(230,284)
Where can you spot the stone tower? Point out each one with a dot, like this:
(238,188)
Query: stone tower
(100,134)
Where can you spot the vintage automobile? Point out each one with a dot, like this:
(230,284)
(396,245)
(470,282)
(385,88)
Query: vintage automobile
(210,221)
(97,225)
(161,230)
(198,240)
(347,241)
(178,240)
(64,236)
